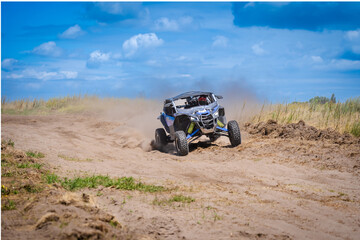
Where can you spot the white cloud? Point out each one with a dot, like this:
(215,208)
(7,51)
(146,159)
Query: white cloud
(107,12)
(257,49)
(317,59)
(15,76)
(43,75)
(220,41)
(250,4)
(97,58)
(147,40)
(72,32)
(48,49)
(98,78)
(344,64)
(153,63)
(185,75)
(8,63)
(69,74)
(185,20)
(116,56)
(165,24)
(117,8)
(353,35)
(46,75)
(181,58)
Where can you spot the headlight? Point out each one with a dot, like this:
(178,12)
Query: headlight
(194,119)
(216,114)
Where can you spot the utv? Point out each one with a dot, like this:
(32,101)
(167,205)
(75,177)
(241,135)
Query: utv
(191,115)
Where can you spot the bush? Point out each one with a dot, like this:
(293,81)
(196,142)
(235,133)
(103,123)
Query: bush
(319,100)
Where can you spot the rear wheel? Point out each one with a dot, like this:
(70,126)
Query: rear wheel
(181,144)
(234,133)
(160,137)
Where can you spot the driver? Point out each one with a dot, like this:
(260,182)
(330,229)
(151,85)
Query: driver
(203,100)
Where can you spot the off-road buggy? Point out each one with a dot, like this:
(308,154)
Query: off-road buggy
(191,115)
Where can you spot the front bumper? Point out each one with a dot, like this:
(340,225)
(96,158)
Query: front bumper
(216,127)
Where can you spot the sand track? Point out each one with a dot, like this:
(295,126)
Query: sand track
(267,188)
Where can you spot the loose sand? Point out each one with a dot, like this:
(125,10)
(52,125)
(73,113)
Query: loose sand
(272,186)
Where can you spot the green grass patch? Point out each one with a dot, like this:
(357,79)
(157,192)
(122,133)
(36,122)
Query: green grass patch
(176,198)
(124,183)
(73,159)
(5,163)
(7,174)
(29,165)
(182,199)
(36,165)
(114,223)
(51,178)
(35,154)
(32,188)
(23,165)
(4,190)
(9,205)
(8,142)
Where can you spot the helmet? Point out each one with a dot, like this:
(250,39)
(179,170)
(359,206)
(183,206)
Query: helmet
(202,100)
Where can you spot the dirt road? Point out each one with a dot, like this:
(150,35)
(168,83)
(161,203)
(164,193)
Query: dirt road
(267,188)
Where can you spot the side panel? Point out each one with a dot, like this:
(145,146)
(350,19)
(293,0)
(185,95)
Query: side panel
(168,122)
(163,121)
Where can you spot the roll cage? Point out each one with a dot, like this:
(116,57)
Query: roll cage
(191,100)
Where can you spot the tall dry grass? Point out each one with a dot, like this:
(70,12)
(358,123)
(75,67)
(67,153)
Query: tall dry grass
(343,117)
(68,104)
(40,106)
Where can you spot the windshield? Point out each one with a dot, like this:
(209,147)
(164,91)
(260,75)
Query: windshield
(194,101)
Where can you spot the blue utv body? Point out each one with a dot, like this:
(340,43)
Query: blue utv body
(191,115)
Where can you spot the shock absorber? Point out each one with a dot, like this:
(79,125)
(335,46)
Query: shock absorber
(191,127)
(220,124)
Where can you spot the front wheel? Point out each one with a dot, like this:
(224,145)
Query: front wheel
(181,144)
(160,138)
(234,133)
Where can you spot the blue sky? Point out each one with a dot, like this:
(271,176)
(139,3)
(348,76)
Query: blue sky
(270,51)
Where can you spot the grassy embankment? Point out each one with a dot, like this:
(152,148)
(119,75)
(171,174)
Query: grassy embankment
(341,116)
(22,173)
